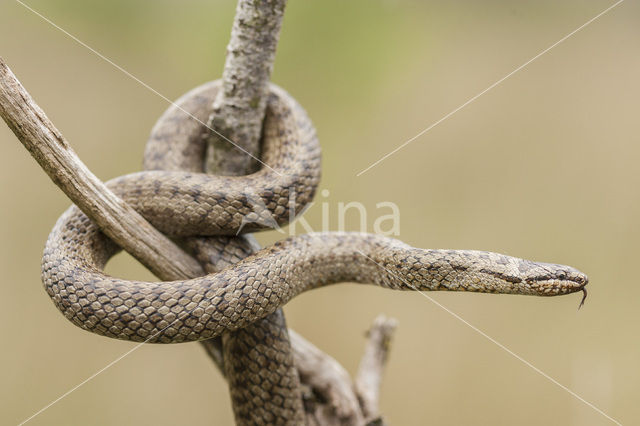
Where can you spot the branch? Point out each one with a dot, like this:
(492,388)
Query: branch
(327,388)
(239,109)
(56,157)
(372,365)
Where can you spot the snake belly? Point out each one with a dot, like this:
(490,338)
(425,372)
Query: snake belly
(182,201)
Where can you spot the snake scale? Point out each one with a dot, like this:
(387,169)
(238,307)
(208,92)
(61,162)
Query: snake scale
(176,196)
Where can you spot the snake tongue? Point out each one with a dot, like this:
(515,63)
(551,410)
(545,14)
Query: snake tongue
(584,297)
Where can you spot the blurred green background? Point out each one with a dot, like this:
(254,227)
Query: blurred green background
(544,166)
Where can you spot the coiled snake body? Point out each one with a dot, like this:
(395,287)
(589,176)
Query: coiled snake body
(179,199)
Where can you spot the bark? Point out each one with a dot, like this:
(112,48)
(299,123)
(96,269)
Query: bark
(369,377)
(56,157)
(239,110)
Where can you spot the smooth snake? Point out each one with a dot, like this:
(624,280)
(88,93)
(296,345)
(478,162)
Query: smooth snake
(196,209)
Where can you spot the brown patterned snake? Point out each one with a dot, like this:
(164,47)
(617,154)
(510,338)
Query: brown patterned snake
(181,201)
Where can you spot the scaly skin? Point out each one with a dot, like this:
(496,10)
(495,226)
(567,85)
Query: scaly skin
(180,200)
(206,307)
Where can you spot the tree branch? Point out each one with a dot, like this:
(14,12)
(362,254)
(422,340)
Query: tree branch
(239,109)
(56,157)
(327,388)
(369,375)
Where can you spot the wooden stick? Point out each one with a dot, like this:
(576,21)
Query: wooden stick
(329,397)
(114,217)
(239,109)
(369,375)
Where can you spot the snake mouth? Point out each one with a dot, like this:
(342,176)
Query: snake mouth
(571,278)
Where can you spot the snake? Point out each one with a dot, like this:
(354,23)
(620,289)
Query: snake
(175,195)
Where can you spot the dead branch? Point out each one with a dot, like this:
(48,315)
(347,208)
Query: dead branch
(56,157)
(239,109)
(369,375)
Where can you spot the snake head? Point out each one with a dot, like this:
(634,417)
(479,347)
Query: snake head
(546,279)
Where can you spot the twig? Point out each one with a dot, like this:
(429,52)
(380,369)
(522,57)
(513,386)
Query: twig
(329,398)
(56,157)
(239,109)
(369,375)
